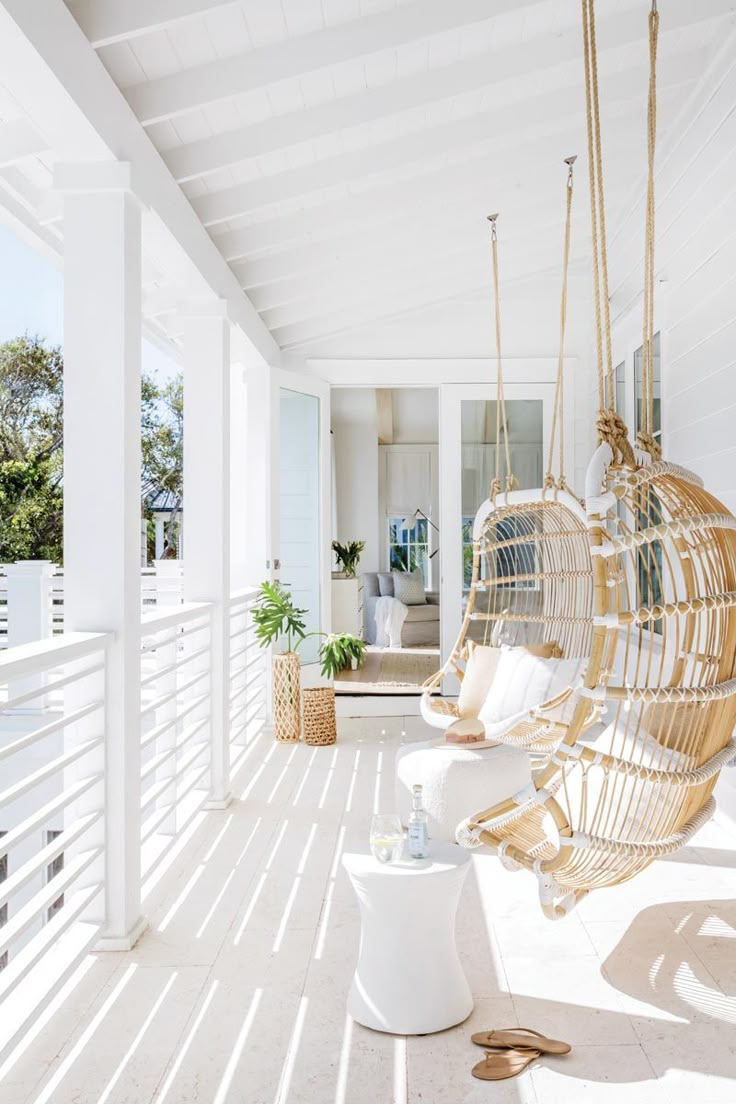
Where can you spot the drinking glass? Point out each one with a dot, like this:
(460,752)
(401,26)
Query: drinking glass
(387,838)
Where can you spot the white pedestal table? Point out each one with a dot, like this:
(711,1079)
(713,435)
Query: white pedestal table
(409,980)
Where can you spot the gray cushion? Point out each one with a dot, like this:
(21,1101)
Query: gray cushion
(370,585)
(409,587)
(386,584)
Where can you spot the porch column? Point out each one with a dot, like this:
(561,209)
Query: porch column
(259,560)
(102,428)
(240,525)
(206,349)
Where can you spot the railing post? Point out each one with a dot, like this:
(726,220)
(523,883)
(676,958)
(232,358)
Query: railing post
(102,461)
(206,350)
(29,617)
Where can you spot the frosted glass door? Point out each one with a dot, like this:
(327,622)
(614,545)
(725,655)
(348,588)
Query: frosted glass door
(299,513)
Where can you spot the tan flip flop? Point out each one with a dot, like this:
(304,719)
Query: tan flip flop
(498,1065)
(520,1038)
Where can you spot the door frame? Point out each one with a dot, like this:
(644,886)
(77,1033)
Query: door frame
(319,389)
(452,395)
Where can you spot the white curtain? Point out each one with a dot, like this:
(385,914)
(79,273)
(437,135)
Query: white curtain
(408,482)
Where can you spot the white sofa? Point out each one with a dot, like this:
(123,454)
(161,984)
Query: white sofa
(422,624)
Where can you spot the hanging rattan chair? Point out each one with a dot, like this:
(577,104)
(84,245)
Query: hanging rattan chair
(661,672)
(532,576)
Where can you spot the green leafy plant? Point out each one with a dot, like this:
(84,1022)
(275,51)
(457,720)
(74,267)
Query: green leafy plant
(275,616)
(348,555)
(338,652)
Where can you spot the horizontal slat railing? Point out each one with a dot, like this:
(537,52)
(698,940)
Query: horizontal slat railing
(248,682)
(51,816)
(175,723)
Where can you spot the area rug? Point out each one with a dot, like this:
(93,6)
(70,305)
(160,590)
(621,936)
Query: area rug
(407,668)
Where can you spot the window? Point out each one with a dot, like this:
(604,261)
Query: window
(650,557)
(639,385)
(54,867)
(468,550)
(408,549)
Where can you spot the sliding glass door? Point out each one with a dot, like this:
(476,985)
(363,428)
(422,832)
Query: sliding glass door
(468,440)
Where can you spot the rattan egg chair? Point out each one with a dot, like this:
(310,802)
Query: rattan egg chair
(661,675)
(532,576)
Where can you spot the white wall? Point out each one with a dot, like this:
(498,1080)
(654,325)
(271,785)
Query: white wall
(696,264)
(356,461)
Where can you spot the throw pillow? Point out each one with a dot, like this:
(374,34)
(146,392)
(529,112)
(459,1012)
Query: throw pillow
(386,584)
(524,681)
(409,587)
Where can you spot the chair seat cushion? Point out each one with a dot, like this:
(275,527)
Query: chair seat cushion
(457,781)
(423,613)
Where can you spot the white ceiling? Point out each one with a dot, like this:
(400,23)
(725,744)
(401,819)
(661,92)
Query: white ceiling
(343,154)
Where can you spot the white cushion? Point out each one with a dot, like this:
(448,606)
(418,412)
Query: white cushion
(480,672)
(523,682)
(457,781)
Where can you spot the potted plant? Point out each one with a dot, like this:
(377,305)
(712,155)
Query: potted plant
(338,651)
(275,617)
(348,556)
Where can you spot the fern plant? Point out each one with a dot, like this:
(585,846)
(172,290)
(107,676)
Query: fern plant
(348,555)
(275,616)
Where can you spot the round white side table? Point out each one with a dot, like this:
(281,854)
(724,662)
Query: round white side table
(409,980)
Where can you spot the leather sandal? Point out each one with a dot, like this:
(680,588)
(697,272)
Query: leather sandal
(520,1038)
(498,1065)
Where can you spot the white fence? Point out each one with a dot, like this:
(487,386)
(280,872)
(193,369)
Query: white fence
(54,858)
(32,597)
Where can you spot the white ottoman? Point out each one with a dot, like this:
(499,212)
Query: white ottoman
(457,781)
(409,980)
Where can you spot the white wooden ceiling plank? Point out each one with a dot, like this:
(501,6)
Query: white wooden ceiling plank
(514,156)
(106,21)
(303,16)
(265,22)
(297,56)
(411,299)
(563,62)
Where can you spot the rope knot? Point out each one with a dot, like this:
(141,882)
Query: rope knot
(649,443)
(612,429)
(495,489)
(549,482)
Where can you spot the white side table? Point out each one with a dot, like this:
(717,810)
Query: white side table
(409,980)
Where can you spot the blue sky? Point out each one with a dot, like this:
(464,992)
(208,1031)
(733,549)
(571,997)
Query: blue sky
(31,294)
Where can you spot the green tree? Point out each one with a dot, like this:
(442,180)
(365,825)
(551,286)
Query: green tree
(162,446)
(31,437)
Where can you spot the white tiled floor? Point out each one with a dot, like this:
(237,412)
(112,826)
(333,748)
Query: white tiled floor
(237,993)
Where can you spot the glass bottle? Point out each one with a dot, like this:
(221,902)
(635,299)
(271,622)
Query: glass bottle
(418,829)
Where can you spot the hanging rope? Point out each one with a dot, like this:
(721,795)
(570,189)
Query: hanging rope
(558,416)
(645,438)
(611,427)
(501,424)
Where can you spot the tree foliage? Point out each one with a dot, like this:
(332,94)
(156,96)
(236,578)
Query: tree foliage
(31,437)
(31,448)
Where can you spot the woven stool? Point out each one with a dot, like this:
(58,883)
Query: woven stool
(320,724)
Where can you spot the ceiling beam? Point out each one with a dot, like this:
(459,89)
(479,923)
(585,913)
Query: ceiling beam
(69,95)
(18,139)
(167,97)
(431,292)
(559,54)
(465,195)
(385,415)
(108,21)
(492,130)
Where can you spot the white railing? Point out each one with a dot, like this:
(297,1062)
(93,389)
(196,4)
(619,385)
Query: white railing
(32,602)
(248,684)
(175,723)
(51,816)
(55,862)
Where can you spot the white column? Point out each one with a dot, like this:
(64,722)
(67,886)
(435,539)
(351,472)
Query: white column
(159,527)
(102,364)
(240,521)
(206,348)
(259,382)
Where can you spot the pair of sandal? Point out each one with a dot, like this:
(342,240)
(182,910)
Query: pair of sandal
(510,1051)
